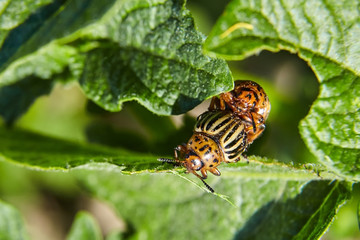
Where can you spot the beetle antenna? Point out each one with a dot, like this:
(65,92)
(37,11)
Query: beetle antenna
(169,160)
(207,186)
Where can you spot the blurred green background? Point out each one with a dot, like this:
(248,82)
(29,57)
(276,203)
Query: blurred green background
(49,202)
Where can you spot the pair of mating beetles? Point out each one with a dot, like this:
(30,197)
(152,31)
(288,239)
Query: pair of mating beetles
(233,121)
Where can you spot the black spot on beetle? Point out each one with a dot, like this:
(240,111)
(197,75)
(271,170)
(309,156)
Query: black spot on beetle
(256,96)
(211,165)
(197,139)
(191,153)
(204,147)
(207,152)
(215,160)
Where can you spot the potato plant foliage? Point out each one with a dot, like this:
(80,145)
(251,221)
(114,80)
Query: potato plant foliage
(151,52)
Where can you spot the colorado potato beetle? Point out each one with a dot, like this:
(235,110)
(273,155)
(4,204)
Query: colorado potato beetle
(223,133)
(249,101)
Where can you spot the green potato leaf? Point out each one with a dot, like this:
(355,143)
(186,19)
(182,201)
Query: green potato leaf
(11,223)
(154,56)
(140,189)
(19,20)
(150,51)
(324,34)
(84,227)
(118,50)
(265,206)
(48,153)
(27,90)
(37,151)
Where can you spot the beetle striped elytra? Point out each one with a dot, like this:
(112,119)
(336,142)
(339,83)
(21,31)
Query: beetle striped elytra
(234,120)
(249,102)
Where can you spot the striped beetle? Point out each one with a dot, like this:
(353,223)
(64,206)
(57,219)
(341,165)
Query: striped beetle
(223,133)
(249,102)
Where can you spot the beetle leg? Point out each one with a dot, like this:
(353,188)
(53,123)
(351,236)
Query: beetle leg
(203,173)
(179,151)
(213,103)
(222,104)
(253,135)
(217,103)
(215,171)
(225,99)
